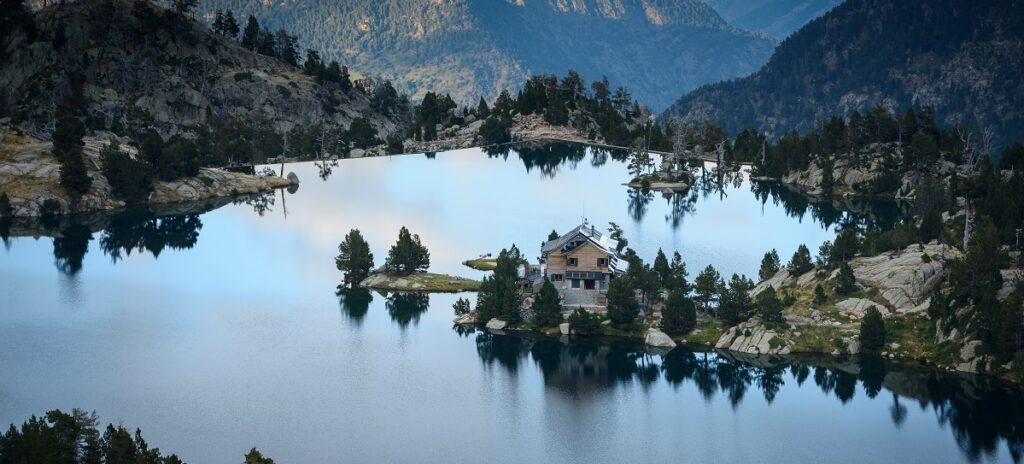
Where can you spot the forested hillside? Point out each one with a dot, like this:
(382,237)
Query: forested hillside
(130,67)
(960,57)
(473,48)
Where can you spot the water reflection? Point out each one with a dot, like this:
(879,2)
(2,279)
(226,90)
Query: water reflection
(860,214)
(406,308)
(69,248)
(355,303)
(142,230)
(981,413)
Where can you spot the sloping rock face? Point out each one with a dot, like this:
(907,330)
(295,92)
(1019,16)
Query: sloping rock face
(30,175)
(781,279)
(754,338)
(904,280)
(141,66)
(857,307)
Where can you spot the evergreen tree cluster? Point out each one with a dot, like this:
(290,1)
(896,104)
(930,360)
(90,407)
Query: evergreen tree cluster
(501,297)
(599,110)
(59,437)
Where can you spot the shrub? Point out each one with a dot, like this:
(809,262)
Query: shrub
(51,207)
(584,322)
(495,130)
(130,179)
(461,307)
(819,295)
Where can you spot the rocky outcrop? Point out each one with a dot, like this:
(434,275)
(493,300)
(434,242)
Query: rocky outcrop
(855,308)
(419,282)
(465,319)
(658,339)
(30,176)
(781,279)
(853,173)
(904,279)
(754,338)
(496,324)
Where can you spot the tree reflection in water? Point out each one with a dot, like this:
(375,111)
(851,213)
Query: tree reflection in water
(406,308)
(69,248)
(354,302)
(143,231)
(982,413)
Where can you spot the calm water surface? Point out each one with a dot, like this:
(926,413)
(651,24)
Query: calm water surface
(220,331)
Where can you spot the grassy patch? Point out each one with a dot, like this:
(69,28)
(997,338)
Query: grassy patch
(816,339)
(482,264)
(420,282)
(709,333)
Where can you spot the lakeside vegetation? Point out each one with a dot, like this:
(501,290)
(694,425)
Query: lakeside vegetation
(59,437)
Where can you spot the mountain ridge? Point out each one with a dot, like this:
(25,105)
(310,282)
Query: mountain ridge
(960,58)
(473,48)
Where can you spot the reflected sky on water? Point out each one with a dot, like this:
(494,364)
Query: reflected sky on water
(215,328)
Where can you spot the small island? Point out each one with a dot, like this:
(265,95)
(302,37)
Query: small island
(483,263)
(405,269)
(419,282)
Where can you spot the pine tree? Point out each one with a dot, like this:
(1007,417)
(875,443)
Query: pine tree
(407,255)
(498,297)
(819,295)
(354,258)
(735,302)
(768,305)
(67,147)
(663,270)
(231,27)
(679,279)
(872,331)
(846,282)
(931,225)
(801,261)
(255,457)
(251,35)
(314,65)
(547,307)
(679,316)
(482,111)
(622,304)
(707,286)
(218,22)
(461,307)
(770,265)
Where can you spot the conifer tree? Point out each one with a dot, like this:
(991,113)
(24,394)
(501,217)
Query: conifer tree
(407,255)
(251,35)
(846,283)
(354,258)
(547,307)
(872,331)
(770,264)
(679,316)
(622,304)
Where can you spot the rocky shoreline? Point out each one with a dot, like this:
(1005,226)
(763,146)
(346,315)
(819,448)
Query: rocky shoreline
(896,283)
(30,177)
